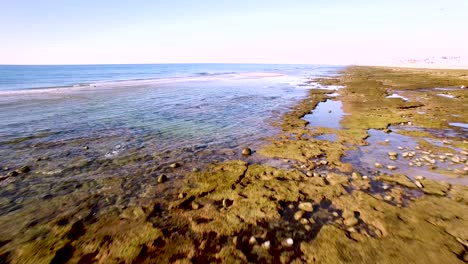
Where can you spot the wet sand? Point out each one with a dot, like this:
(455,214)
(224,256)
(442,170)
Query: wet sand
(342,191)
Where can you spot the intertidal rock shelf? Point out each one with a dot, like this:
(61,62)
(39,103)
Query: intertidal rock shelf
(310,194)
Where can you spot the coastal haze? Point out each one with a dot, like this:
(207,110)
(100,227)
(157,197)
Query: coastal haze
(233,132)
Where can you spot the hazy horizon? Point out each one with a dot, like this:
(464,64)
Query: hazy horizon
(336,32)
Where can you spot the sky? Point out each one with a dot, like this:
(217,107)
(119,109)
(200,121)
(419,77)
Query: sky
(222,31)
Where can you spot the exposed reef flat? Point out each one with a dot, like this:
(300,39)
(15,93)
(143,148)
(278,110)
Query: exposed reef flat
(388,187)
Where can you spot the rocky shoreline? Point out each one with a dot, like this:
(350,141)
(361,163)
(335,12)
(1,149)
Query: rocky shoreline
(296,199)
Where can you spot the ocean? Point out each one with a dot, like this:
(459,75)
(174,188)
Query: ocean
(89,124)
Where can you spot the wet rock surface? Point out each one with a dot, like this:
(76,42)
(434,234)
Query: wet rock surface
(298,199)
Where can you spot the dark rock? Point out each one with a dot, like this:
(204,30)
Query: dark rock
(24,169)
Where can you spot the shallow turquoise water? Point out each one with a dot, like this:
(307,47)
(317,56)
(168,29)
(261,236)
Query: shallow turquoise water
(115,129)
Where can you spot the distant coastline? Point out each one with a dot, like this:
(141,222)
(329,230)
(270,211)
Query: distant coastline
(443,62)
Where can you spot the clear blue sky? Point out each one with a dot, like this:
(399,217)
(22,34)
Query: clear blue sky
(287,31)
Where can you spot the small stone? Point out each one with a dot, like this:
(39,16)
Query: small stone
(246,152)
(385,186)
(227,203)
(181,196)
(252,240)
(405,154)
(12,174)
(306,206)
(195,206)
(465,153)
(335,214)
(391,167)
(378,165)
(329,111)
(456,159)
(419,177)
(162,178)
(392,154)
(291,206)
(351,229)
(323,162)
(309,174)
(410,164)
(195,170)
(419,184)
(388,198)
(304,221)
(400,148)
(234,241)
(174,165)
(365,177)
(298,215)
(316,174)
(266,245)
(307,227)
(289,241)
(356,175)
(85,147)
(24,169)
(387,140)
(446,142)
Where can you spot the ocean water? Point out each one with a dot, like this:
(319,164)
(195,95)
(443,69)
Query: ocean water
(95,125)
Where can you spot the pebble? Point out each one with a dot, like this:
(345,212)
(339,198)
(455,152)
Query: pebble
(266,245)
(400,148)
(391,167)
(405,154)
(298,215)
(289,241)
(304,221)
(392,154)
(307,227)
(335,214)
(323,162)
(456,159)
(419,184)
(316,174)
(365,177)
(378,165)
(252,240)
(385,186)
(419,177)
(246,151)
(85,147)
(24,169)
(309,174)
(356,175)
(464,153)
(306,206)
(410,164)
(174,165)
(388,198)
(181,196)
(162,178)
(387,140)
(195,170)
(446,142)
(195,206)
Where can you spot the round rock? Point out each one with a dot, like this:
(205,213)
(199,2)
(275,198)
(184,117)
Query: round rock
(246,152)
